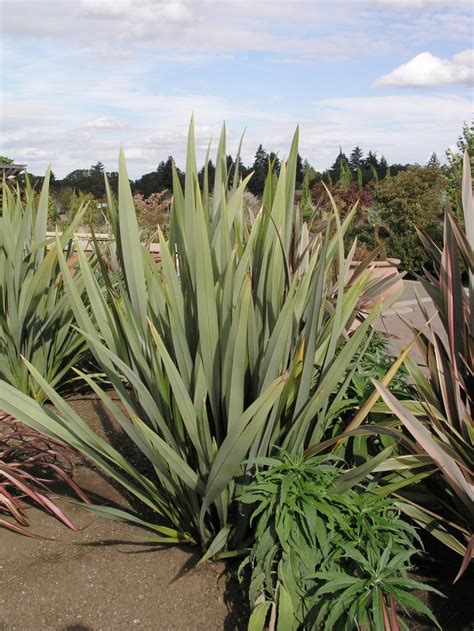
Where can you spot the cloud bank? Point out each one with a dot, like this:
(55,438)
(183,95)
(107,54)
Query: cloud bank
(427,70)
(79,83)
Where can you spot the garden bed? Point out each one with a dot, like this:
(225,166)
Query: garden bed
(102,578)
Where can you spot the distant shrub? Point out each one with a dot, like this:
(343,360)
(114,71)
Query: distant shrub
(153,211)
(415,198)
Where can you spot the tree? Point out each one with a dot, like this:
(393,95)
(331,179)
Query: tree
(356,159)
(415,198)
(159,180)
(299,172)
(260,169)
(147,184)
(345,177)
(433,162)
(306,203)
(275,162)
(310,172)
(395,169)
(230,167)
(371,159)
(5,160)
(373,174)
(87,180)
(464,141)
(211,172)
(455,161)
(383,168)
(165,174)
(335,170)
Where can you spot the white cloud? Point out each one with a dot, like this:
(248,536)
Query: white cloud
(34,153)
(16,114)
(409,4)
(405,128)
(105,8)
(83,82)
(105,122)
(427,70)
(298,28)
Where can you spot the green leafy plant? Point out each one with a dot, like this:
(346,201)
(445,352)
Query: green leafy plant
(328,554)
(29,464)
(414,198)
(442,423)
(36,318)
(236,344)
(374,364)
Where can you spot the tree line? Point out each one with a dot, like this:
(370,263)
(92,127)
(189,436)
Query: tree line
(364,167)
(393,199)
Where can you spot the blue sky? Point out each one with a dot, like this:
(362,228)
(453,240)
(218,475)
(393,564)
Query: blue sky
(80,78)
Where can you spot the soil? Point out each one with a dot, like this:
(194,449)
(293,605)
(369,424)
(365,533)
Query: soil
(106,578)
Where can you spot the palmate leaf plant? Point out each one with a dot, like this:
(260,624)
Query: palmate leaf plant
(328,552)
(236,344)
(36,319)
(376,361)
(29,464)
(442,423)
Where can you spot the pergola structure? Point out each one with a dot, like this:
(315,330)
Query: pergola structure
(10,170)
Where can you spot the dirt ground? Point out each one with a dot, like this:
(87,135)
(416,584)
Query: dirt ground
(103,579)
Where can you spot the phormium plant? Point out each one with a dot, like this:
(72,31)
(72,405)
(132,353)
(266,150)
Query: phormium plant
(238,343)
(36,318)
(29,464)
(442,424)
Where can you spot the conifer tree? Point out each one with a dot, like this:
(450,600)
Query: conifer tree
(433,162)
(306,203)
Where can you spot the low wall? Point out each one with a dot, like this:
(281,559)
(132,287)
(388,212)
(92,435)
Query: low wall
(87,243)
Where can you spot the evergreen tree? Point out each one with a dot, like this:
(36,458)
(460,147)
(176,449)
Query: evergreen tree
(433,162)
(275,161)
(260,169)
(357,159)
(464,141)
(373,174)
(306,203)
(230,167)
(165,175)
(299,171)
(371,159)
(211,171)
(335,170)
(345,178)
(453,169)
(147,184)
(87,180)
(310,171)
(158,180)
(383,168)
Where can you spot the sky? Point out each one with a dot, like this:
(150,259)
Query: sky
(82,78)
